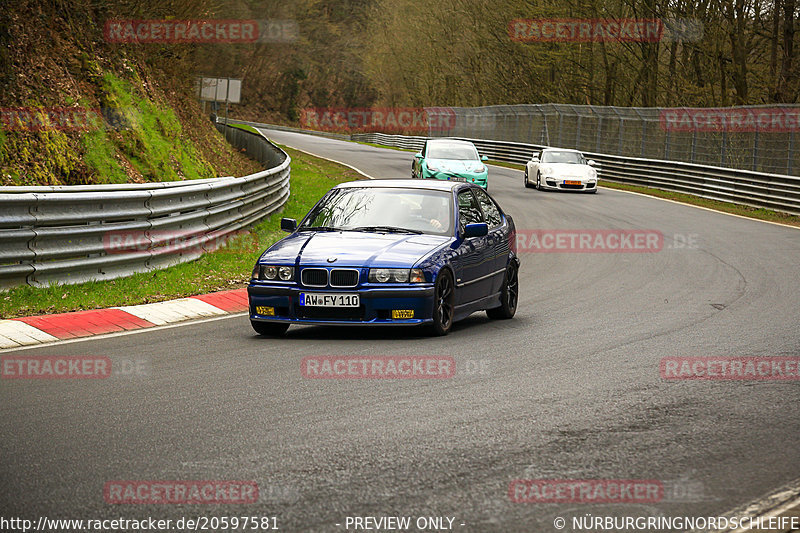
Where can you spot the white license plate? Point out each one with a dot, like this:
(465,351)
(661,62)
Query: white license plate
(309,299)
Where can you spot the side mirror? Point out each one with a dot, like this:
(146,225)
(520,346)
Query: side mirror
(288,224)
(535,159)
(484,158)
(591,163)
(479,229)
(418,155)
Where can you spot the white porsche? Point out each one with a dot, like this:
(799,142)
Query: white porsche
(560,169)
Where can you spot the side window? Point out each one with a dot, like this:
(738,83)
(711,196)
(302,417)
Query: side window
(468,210)
(489,208)
(424,149)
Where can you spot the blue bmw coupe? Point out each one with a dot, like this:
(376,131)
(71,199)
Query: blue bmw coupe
(389,252)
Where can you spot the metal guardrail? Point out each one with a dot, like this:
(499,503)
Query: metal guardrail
(772,191)
(62,235)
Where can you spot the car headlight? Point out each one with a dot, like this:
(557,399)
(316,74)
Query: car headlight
(478,169)
(592,174)
(546,170)
(432,168)
(286,273)
(396,275)
(273,272)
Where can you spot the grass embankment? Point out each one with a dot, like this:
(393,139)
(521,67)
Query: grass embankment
(128,137)
(78,109)
(226,268)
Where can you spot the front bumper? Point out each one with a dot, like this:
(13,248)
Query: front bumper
(548,182)
(376,306)
(477,179)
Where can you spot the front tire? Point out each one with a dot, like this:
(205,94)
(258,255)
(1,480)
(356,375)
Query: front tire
(538,181)
(527,183)
(269,329)
(443,304)
(509,295)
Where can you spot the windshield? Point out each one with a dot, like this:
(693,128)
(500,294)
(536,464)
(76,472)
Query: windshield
(563,157)
(464,152)
(384,210)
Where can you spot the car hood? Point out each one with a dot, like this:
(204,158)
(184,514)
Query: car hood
(459,166)
(354,249)
(567,169)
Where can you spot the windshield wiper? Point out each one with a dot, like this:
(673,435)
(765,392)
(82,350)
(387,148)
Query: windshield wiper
(318,228)
(386,229)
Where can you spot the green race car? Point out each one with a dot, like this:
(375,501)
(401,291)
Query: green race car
(451,160)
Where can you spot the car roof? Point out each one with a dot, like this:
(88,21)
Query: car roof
(560,150)
(448,140)
(435,185)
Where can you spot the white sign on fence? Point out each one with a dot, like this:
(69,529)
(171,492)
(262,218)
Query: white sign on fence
(221,90)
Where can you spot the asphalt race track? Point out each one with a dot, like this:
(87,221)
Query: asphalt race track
(568,389)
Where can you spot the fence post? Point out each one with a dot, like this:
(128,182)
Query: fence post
(644,136)
(694,146)
(545,132)
(722,153)
(790,155)
(560,126)
(644,131)
(578,132)
(530,129)
(599,133)
(755,149)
